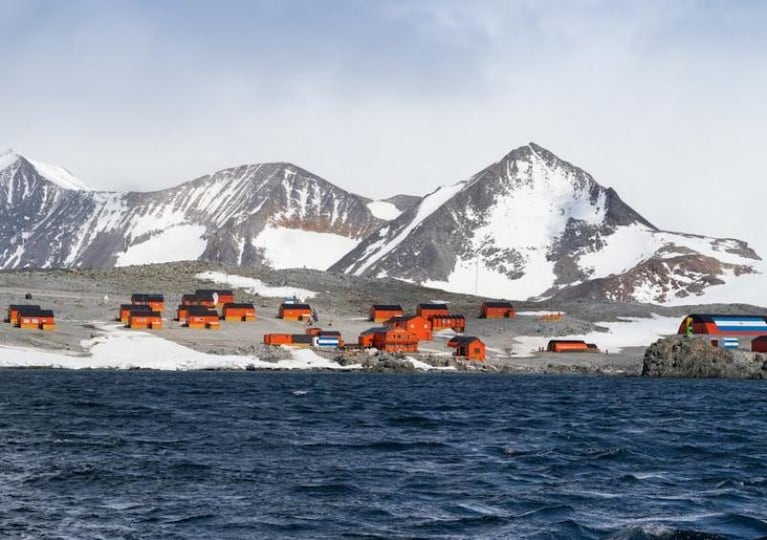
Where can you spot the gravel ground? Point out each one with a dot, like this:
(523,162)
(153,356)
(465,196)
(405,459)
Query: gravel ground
(77,297)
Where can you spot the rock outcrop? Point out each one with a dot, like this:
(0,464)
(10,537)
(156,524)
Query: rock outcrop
(696,358)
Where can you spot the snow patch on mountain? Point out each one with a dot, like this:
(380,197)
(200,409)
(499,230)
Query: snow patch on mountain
(384,210)
(179,243)
(255,286)
(297,248)
(59,176)
(428,205)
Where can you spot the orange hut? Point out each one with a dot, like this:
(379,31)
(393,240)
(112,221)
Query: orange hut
(278,339)
(126,310)
(239,312)
(295,312)
(199,319)
(469,347)
(224,296)
(13,312)
(430,310)
(36,319)
(365,339)
(198,300)
(415,324)
(153,300)
(384,312)
(497,310)
(146,320)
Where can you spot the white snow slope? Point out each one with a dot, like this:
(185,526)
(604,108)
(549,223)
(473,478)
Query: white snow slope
(255,286)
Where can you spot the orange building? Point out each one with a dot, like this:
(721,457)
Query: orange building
(566,345)
(36,319)
(239,312)
(199,319)
(197,300)
(395,340)
(278,339)
(295,312)
(497,310)
(468,347)
(384,312)
(415,324)
(428,311)
(13,312)
(148,320)
(455,322)
(365,339)
(126,310)
(224,296)
(153,300)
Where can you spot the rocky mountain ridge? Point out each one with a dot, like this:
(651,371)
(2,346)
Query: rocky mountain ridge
(528,226)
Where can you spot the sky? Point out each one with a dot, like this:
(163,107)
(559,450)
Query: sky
(663,101)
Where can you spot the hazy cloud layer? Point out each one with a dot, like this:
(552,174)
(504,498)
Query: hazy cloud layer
(662,100)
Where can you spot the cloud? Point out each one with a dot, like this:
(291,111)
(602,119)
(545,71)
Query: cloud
(663,101)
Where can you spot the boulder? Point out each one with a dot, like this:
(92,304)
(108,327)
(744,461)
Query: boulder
(696,358)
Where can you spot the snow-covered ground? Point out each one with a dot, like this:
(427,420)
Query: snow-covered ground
(288,248)
(383,210)
(255,286)
(117,348)
(179,243)
(627,332)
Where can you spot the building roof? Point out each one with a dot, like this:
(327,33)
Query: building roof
(22,306)
(240,305)
(387,307)
(403,318)
(498,304)
(462,340)
(147,297)
(198,310)
(36,313)
(374,330)
(291,305)
(432,306)
(220,292)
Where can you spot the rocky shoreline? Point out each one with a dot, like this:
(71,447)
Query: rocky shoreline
(695,358)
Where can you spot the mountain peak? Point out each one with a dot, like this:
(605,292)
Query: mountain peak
(53,173)
(8,158)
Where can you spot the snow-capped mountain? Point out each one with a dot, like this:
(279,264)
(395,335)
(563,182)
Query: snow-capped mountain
(273,213)
(533,225)
(529,226)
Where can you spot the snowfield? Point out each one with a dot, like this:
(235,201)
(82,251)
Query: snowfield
(256,286)
(126,349)
(296,248)
(179,243)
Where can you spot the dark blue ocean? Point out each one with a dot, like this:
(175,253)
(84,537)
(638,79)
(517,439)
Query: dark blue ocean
(115,454)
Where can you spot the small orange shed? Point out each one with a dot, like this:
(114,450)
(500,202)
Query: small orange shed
(199,319)
(154,300)
(497,310)
(147,320)
(295,311)
(197,300)
(468,347)
(414,324)
(126,310)
(36,319)
(239,312)
(224,296)
(13,312)
(365,339)
(431,310)
(384,312)
(278,339)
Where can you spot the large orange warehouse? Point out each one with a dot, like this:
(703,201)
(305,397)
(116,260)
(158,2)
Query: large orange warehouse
(384,312)
(567,345)
(295,311)
(497,310)
(415,324)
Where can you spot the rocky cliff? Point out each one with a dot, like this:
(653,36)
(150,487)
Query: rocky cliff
(695,358)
